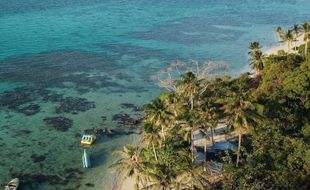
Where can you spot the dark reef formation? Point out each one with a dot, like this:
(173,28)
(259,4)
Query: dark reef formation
(33,181)
(125,119)
(59,123)
(74,105)
(37,158)
(131,106)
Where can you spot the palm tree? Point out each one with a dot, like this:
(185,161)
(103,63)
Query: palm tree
(256,60)
(241,115)
(160,177)
(193,177)
(131,163)
(188,87)
(254,46)
(296,30)
(151,137)
(173,102)
(306,30)
(157,113)
(279,31)
(288,37)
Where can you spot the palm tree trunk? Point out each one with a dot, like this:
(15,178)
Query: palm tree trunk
(212,135)
(192,145)
(238,151)
(306,46)
(163,132)
(192,102)
(154,151)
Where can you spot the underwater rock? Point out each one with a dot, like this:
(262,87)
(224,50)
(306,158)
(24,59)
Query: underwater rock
(16,97)
(90,185)
(32,181)
(32,109)
(100,132)
(104,118)
(125,119)
(37,158)
(74,105)
(131,106)
(59,123)
(53,97)
(22,132)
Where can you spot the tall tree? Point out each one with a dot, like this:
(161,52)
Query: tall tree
(279,31)
(256,57)
(188,87)
(296,30)
(131,163)
(241,115)
(288,37)
(151,137)
(157,113)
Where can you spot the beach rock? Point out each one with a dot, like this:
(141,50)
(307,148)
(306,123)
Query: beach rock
(59,123)
(74,105)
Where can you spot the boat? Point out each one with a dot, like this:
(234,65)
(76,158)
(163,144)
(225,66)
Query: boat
(86,159)
(88,139)
(12,185)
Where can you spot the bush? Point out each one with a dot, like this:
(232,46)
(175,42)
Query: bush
(301,49)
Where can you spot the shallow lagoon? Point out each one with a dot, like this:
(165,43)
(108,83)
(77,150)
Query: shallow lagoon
(58,59)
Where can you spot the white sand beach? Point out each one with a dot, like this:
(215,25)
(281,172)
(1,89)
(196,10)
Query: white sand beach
(283,46)
(129,183)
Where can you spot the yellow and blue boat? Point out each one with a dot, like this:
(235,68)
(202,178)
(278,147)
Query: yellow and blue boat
(88,139)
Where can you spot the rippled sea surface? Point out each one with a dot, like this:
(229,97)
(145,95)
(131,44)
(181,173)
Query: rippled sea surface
(67,67)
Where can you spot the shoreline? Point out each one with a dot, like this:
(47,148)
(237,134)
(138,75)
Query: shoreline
(283,46)
(122,182)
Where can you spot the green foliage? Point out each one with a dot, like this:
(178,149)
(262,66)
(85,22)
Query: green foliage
(272,109)
(301,49)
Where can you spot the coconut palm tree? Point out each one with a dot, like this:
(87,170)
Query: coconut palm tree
(151,137)
(158,114)
(188,87)
(163,174)
(173,102)
(288,37)
(130,162)
(241,115)
(256,57)
(279,31)
(296,30)
(193,177)
(306,30)
(160,177)
(254,46)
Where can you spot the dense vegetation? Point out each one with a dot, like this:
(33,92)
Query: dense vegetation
(269,111)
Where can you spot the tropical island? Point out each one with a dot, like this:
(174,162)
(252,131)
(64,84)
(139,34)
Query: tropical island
(264,115)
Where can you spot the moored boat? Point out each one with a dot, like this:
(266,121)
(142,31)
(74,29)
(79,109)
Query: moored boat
(88,139)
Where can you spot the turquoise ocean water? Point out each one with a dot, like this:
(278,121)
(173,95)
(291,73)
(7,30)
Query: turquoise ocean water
(68,66)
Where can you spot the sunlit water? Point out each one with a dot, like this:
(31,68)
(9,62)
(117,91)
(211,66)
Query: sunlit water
(105,51)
